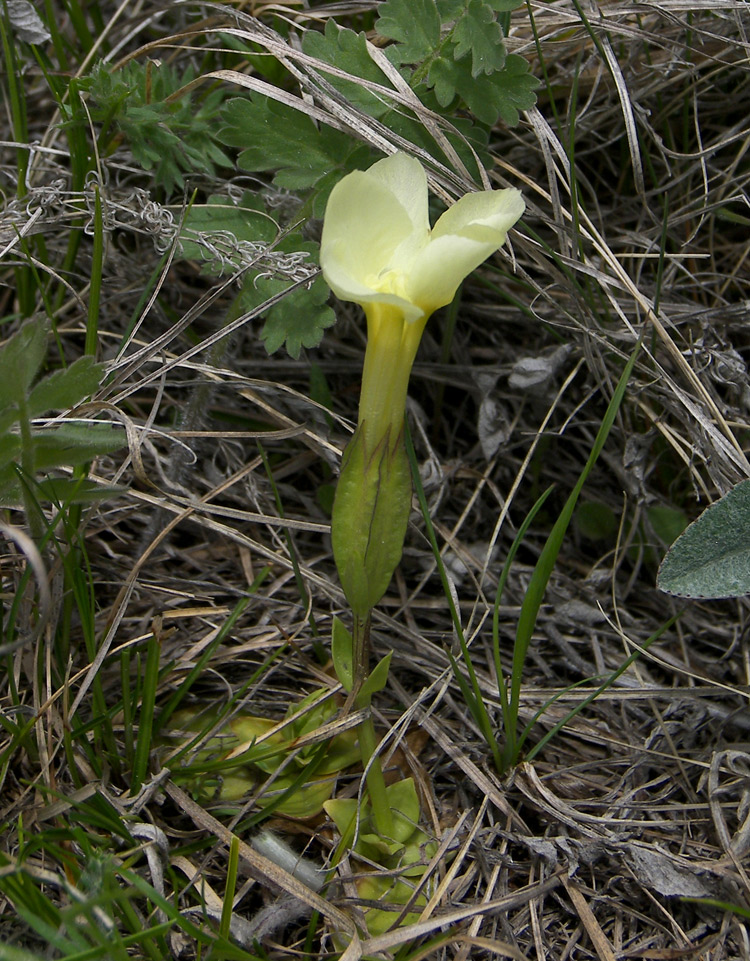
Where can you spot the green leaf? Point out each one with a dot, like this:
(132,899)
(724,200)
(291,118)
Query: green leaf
(20,360)
(320,709)
(445,77)
(413,24)
(347,50)
(404,802)
(343,813)
(342,751)
(504,6)
(377,680)
(304,800)
(170,135)
(666,522)
(712,558)
(276,137)
(247,221)
(596,521)
(10,448)
(479,34)
(73,444)
(449,9)
(515,87)
(297,320)
(8,417)
(68,387)
(501,94)
(301,316)
(10,487)
(465,130)
(452,9)
(342,653)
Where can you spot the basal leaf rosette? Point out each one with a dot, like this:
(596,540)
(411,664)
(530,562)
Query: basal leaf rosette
(245,751)
(387,869)
(378,250)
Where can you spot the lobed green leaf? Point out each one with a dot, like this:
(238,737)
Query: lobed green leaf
(515,89)
(220,216)
(20,359)
(297,320)
(479,34)
(347,50)
(414,24)
(275,137)
(171,135)
(504,6)
(457,47)
(500,95)
(65,388)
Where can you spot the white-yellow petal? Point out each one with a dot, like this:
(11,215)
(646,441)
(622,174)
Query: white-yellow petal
(377,246)
(465,236)
(436,275)
(496,210)
(405,178)
(363,226)
(348,288)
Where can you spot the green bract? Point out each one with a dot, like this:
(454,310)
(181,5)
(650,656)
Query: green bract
(370,515)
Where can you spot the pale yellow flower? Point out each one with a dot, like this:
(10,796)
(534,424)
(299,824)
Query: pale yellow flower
(379,251)
(377,245)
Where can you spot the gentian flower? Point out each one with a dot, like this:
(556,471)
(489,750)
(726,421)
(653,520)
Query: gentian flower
(378,251)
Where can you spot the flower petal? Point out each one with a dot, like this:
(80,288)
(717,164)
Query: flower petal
(364,224)
(495,210)
(339,279)
(465,235)
(405,178)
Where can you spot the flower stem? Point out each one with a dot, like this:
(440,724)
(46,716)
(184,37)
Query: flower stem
(381,809)
(366,730)
(360,652)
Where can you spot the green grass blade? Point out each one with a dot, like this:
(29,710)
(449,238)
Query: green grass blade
(502,688)
(591,697)
(231,882)
(540,578)
(182,691)
(146,714)
(217,947)
(9,953)
(472,693)
(95,284)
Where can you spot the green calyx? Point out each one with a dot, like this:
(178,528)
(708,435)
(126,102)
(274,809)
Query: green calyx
(370,514)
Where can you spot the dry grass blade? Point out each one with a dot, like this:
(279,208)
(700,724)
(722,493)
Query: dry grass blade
(260,866)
